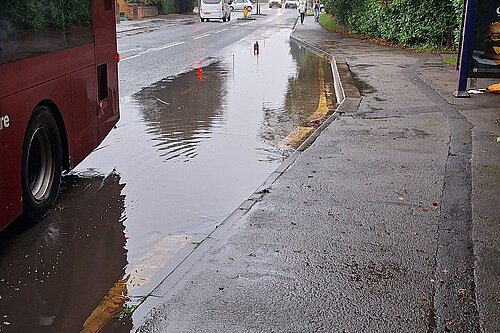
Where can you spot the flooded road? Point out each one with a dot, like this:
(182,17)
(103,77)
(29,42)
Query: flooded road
(52,274)
(188,150)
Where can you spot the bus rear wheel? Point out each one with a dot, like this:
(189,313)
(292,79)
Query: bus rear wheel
(41,165)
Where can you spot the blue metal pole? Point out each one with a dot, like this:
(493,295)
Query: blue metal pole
(466,51)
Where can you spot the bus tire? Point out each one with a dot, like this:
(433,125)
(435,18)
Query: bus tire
(41,165)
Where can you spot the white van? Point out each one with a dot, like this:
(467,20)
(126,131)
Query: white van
(215,10)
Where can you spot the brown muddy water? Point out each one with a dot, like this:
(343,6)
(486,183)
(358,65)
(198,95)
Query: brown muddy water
(187,151)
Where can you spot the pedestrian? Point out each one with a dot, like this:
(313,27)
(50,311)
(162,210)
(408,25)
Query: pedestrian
(316,10)
(302,11)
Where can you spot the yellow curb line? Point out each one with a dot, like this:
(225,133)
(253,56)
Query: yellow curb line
(109,307)
(299,134)
(294,139)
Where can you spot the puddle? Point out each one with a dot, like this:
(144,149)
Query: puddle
(53,275)
(183,112)
(188,150)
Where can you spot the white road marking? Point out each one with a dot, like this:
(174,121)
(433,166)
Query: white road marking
(201,36)
(131,57)
(170,45)
(219,31)
(153,50)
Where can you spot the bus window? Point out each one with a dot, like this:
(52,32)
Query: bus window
(31,28)
(102,82)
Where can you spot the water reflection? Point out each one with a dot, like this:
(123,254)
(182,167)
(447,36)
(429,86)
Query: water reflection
(52,276)
(305,87)
(226,119)
(182,111)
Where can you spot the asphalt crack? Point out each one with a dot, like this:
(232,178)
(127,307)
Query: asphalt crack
(455,307)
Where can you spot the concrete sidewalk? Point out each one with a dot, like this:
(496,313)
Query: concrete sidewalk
(387,222)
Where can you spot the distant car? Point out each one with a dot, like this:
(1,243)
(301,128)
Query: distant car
(241,4)
(214,10)
(274,3)
(291,4)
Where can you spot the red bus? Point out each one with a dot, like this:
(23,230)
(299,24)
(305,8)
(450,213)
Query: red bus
(58,96)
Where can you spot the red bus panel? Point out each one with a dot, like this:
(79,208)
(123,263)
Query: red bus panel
(105,55)
(67,68)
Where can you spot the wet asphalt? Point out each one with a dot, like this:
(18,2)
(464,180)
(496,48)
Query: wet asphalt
(195,139)
(387,222)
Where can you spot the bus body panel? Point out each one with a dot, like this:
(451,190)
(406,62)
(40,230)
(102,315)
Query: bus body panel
(105,54)
(19,107)
(68,82)
(27,73)
(83,113)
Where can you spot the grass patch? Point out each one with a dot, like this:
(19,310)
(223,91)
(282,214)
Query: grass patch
(126,311)
(450,60)
(328,22)
(427,48)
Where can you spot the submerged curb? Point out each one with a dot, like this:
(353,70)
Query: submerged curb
(346,92)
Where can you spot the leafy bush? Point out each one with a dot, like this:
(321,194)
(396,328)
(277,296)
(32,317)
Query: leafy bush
(406,22)
(166,7)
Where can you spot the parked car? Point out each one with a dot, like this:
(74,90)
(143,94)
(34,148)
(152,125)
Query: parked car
(291,4)
(274,3)
(241,4)
(214,10)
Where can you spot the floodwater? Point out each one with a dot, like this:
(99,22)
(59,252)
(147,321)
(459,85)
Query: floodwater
(51,275)
(188,150)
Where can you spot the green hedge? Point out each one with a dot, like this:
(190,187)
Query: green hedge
(166,7)
(406,22)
